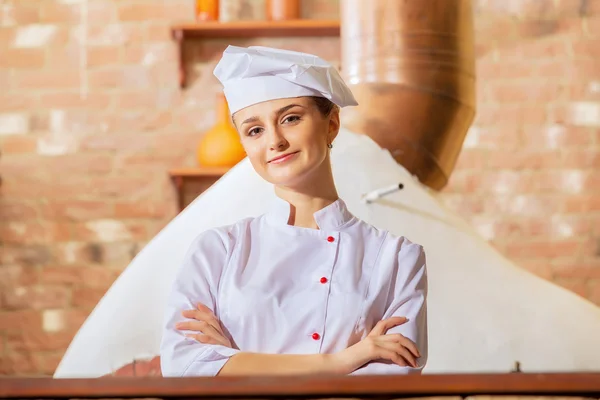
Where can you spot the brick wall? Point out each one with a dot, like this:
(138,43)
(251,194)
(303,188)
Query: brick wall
(528,177)
(92,118)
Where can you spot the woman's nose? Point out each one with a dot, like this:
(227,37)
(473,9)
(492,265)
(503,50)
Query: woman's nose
(277,140)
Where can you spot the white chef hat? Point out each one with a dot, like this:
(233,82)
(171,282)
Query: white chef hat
(256,74)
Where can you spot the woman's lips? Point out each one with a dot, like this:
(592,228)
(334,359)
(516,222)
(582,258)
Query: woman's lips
(283,158)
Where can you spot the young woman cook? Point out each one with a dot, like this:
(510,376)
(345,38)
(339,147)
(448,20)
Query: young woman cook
(306,288)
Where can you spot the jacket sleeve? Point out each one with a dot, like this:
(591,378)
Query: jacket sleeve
(196,282)
(408,298)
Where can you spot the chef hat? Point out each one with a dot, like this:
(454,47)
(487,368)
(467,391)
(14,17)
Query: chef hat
(256,74)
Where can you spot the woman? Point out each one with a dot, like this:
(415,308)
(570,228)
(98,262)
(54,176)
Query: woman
(307,287)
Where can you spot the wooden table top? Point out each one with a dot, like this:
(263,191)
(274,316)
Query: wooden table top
(562,384)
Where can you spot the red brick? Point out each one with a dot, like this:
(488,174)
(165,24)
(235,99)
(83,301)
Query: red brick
(71,56)
(511,69)
(125,77)
(142,209)
(18,144)
(19,232)
(580,159)
(109,231)
(98,13)
(99,56)
(68,100)
(93,276)
(558,136)
(156,11)
(463,204)
(17,276)
(494,138)
(582,203)
(158,31)
(77,164)
(522,204)
(149,54)
(87,297)
(537,29)
(122,187)
(21,320)
(36,297)
(16,101)
(48,79)
(505,181)
(32,341)
(529,248)
(46,363)
(464,181)
(32,255)
(587,47)
(499,118)
(472,158)
(22,58)
(527,92)
(24,13)
(571,268)
(524,159)
(575,285)
(17,364)
(17,210)
(522,227)
(77,210)
(75,317)
(565,181)
(592,26)
(584,90)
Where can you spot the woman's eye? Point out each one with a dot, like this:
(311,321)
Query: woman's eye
(291,118)
(254,131)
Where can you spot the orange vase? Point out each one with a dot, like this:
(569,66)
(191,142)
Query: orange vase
(207,10)
(220,146)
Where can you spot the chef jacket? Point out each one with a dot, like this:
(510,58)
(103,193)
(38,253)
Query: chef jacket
(282,289)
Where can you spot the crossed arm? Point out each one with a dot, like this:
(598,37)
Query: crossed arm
(396,348)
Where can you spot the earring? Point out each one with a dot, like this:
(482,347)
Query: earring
(330,145)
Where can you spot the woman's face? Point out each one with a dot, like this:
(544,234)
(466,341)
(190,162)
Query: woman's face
(286,139)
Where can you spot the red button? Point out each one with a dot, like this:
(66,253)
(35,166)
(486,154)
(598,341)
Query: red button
(323,280)
(330,239)
(316,336)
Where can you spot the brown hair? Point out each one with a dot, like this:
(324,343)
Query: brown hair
(324,105)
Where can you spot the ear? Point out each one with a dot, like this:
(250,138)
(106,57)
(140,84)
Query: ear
(334,124)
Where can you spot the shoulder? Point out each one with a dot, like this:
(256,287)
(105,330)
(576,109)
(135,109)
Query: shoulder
(220,238)
(387,238)
(391,246)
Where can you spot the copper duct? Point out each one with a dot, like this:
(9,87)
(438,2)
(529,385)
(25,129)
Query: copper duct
(411,66)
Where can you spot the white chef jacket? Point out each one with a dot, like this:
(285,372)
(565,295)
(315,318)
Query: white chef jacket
(283,289)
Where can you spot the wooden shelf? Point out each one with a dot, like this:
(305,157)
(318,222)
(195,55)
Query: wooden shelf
(249,29)
(201,178)
(200,172)
(246,29)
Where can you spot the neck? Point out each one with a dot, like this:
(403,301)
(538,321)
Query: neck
(308,198)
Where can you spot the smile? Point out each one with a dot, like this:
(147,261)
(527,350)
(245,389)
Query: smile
(283,158)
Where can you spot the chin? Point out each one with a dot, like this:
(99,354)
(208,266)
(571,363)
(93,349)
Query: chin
(291,176)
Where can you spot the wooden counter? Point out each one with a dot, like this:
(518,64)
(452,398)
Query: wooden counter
(517,384)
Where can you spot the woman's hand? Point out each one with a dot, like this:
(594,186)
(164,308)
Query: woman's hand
(377,345)
(205,322)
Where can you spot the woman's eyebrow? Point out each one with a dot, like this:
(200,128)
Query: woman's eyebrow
(251,119)
(284,109)
(278,112)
